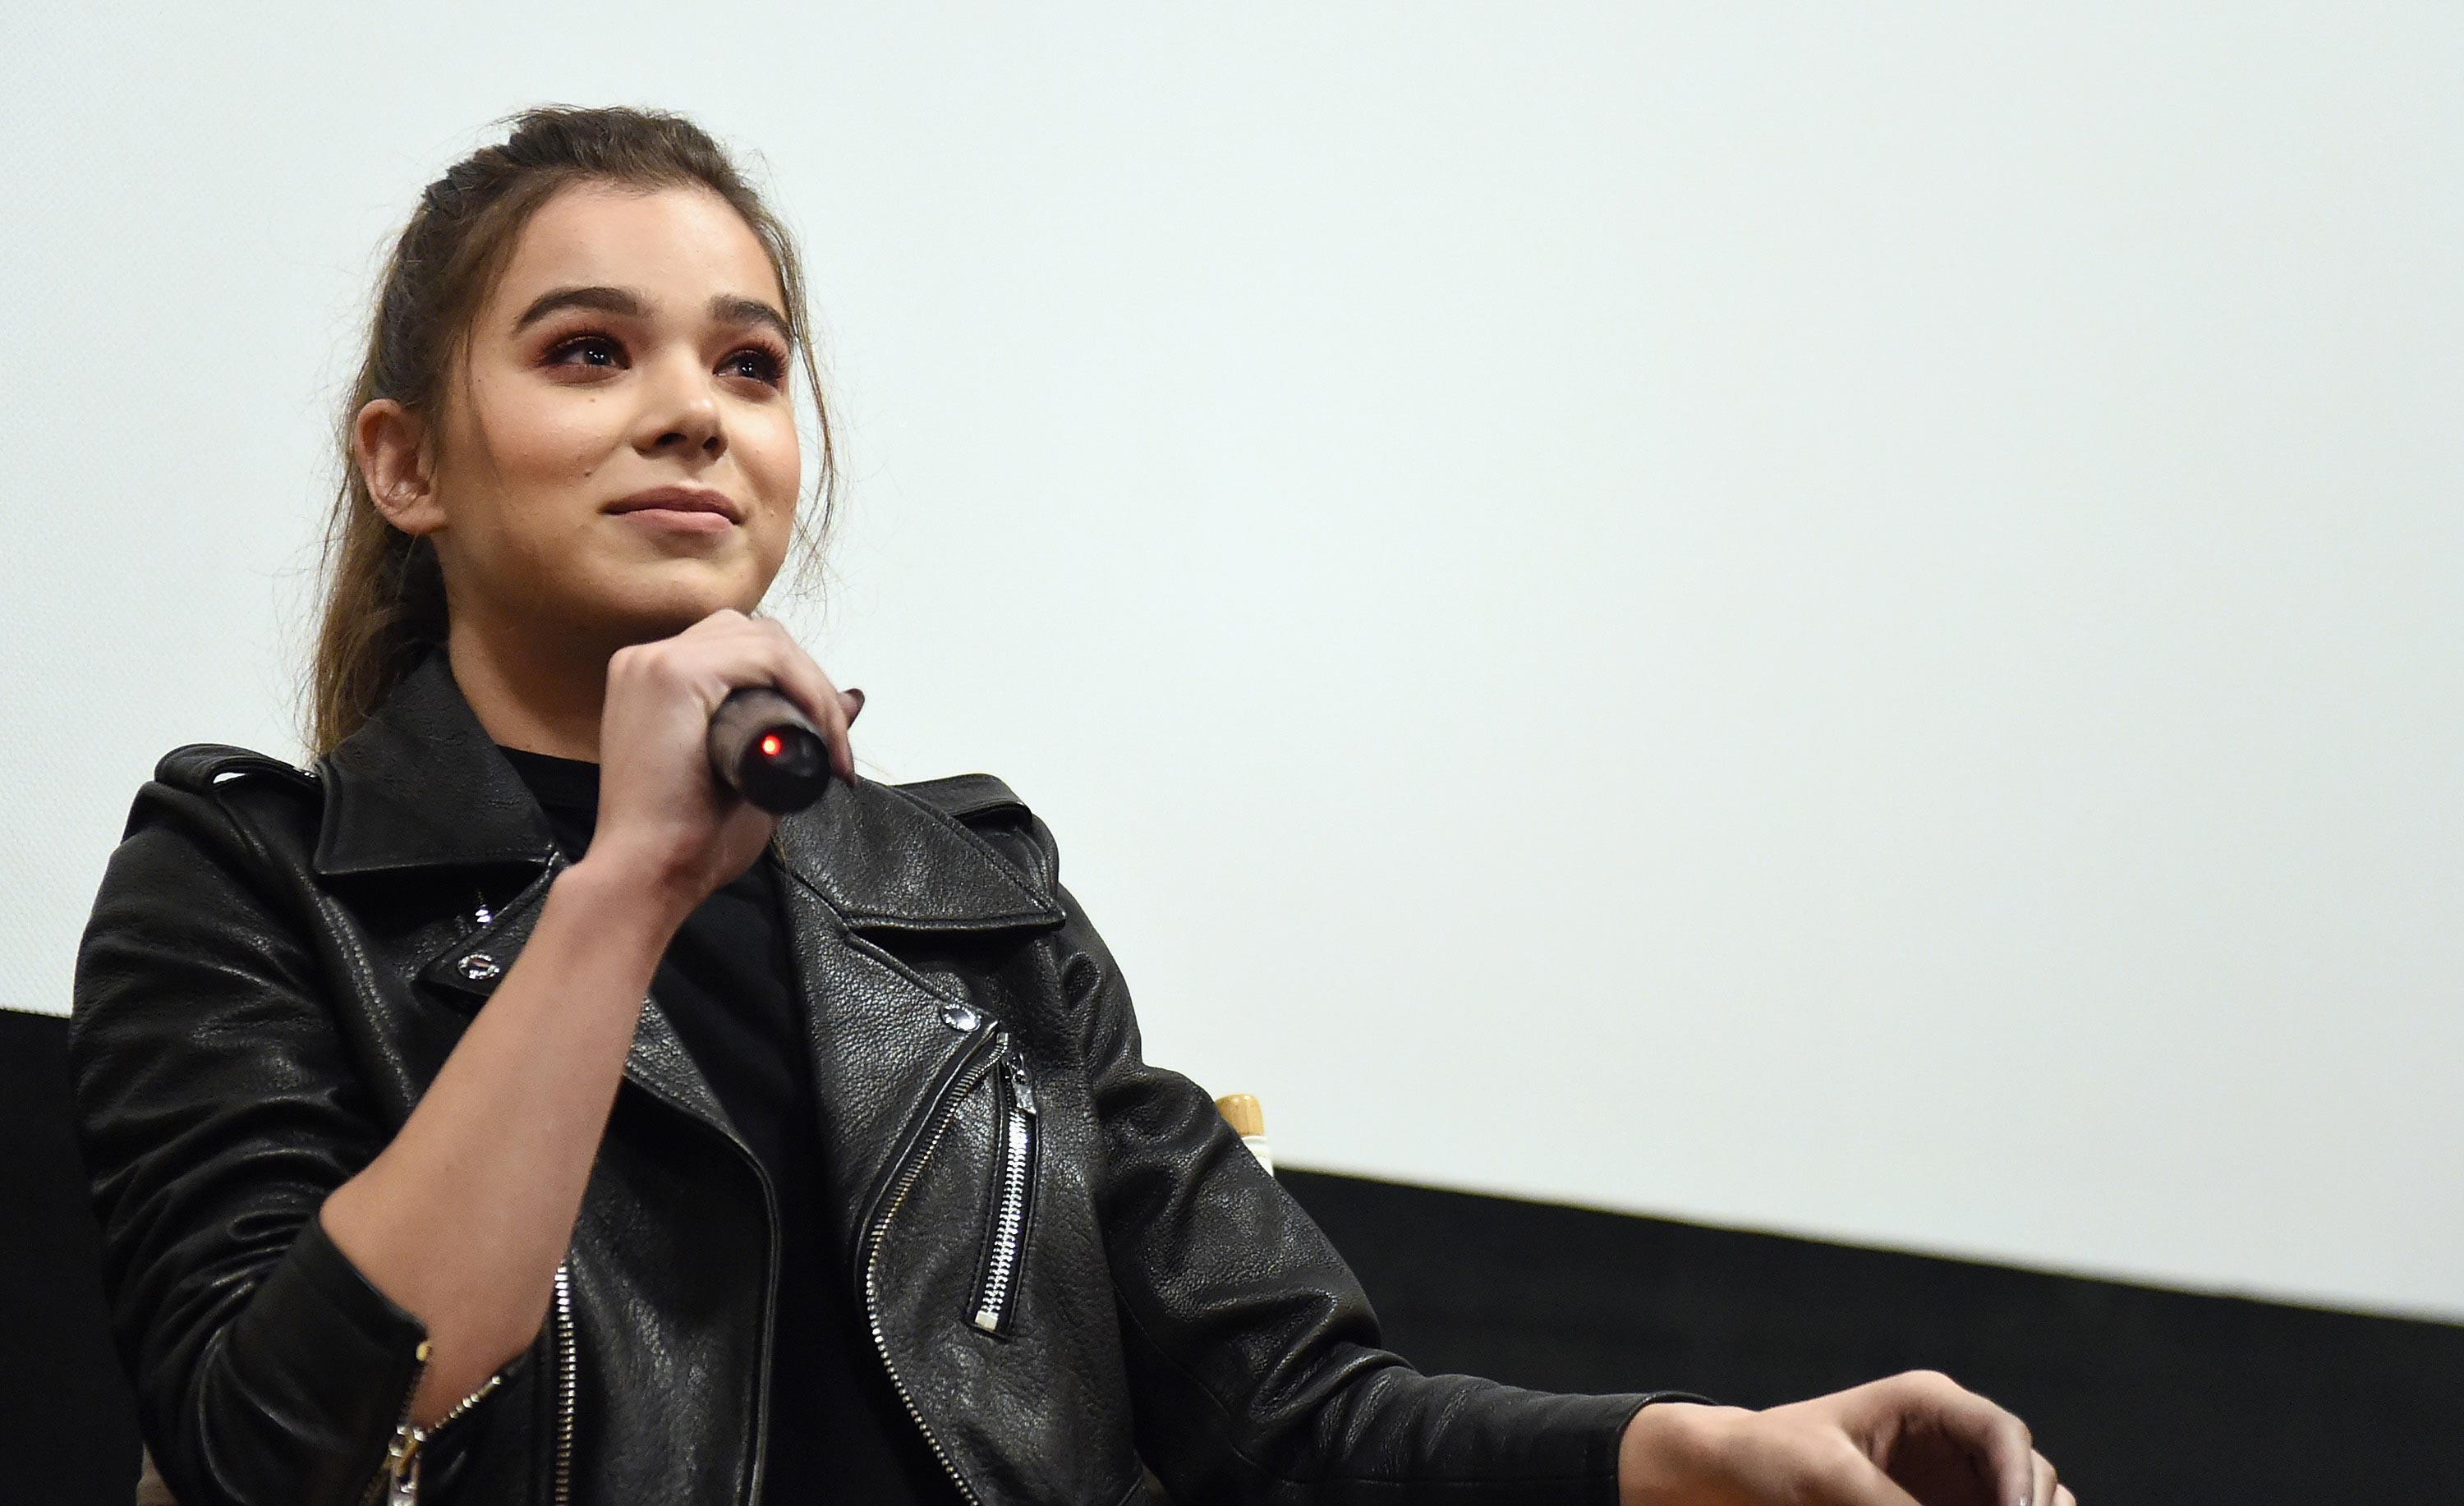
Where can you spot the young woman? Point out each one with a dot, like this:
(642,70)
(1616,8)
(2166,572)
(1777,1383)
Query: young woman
(499,1110)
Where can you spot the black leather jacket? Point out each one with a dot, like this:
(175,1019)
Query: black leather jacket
(1069,1262)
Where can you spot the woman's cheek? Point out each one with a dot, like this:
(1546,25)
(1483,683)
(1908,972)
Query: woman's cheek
(576,443)
(777,461)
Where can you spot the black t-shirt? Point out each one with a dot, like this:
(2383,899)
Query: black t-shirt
(838,1430)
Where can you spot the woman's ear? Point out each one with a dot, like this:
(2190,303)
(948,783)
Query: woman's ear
(389,443)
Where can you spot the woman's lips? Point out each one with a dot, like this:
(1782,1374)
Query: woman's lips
(678,519)
(684,509)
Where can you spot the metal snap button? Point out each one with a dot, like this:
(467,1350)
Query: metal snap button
(479,967)
(959,1016)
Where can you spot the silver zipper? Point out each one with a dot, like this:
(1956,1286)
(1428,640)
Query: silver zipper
(403,1455)
(879,1236)
(1016,1170)
(399,1484)
(568,1387)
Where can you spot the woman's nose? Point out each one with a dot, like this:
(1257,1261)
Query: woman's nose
(682,412)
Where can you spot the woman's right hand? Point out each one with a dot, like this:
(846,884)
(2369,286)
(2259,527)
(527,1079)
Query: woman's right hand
(1918,1439)
(665,823)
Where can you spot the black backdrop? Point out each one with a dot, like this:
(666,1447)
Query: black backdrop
(2139,1395)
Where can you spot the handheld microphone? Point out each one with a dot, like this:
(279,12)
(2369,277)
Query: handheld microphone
(765,748)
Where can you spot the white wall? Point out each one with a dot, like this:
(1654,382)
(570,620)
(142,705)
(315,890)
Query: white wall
(1841,619)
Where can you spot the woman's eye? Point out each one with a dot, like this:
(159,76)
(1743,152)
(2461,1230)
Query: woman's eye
(765,367)
(587,350)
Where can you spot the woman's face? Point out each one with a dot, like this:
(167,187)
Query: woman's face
(622,458)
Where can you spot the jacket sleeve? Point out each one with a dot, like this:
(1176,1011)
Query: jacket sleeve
(1255,1363)
(216,1109)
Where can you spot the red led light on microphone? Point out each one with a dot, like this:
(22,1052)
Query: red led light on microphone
(764,749)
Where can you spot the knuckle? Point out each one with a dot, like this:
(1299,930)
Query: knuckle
(639,665)
(1842,1467)
(667,674)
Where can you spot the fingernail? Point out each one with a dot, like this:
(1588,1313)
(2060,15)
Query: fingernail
(854,696)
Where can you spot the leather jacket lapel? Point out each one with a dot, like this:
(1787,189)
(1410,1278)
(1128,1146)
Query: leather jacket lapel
(886,861)
(880,1038)
(656,1060)
(863,865)
(421,784)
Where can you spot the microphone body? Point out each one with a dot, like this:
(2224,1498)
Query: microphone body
(765,748)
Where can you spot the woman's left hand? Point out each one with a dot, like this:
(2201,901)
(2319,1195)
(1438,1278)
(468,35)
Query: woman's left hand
(1918,1439)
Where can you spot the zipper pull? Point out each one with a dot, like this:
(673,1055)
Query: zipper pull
(1022,1091)
(402,1467)
(400,1476)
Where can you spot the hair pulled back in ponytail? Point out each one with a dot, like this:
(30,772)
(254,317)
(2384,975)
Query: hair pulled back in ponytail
(385,593)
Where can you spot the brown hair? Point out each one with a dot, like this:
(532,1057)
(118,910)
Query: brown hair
(385,593)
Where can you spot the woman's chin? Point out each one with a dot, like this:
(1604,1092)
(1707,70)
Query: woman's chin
(657,614)
(662,608)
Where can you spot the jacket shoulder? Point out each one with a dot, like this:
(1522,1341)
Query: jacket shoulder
(967,795)
(198,767)
(227,788)
(992,810)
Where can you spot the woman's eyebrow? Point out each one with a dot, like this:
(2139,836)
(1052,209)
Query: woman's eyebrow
(725,308)
(730,307)
(606,301)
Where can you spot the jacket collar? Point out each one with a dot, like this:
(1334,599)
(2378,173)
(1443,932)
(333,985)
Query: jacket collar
(421,785)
